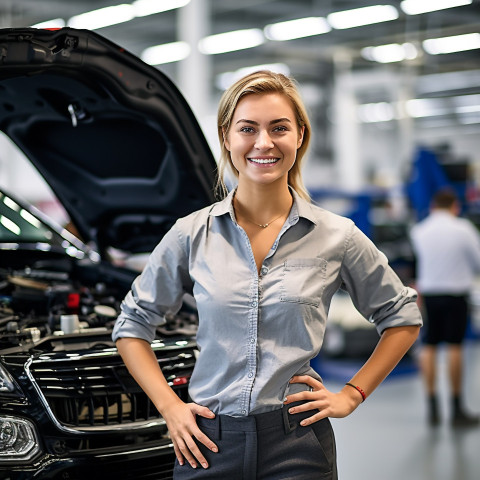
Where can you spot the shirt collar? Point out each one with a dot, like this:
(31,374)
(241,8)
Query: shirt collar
(300,208)
(441,212)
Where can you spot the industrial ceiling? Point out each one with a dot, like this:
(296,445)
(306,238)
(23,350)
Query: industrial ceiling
(444,98)
(307,58)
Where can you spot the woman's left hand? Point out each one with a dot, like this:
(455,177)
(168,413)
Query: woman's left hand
(320,399)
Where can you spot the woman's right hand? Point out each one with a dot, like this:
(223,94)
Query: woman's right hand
(180,417)
(183,428)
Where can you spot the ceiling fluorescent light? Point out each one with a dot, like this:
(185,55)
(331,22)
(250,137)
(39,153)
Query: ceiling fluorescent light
(302,27)
(416,7)
(150,7)
(11,204)
(166,53)
(427,107)
(430,107)
(376,112)
(362,16)
(224,80)
(393,52)
(103,17)
(457,43)
(467,102)
(30,218)
(9,225)
(468,109)
(54,23)
(231,41)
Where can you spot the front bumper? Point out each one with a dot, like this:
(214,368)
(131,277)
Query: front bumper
(150,463)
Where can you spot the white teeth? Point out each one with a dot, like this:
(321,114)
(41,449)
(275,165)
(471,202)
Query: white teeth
(262,160)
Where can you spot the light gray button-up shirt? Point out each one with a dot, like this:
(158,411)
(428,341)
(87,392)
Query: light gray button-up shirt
(257,331)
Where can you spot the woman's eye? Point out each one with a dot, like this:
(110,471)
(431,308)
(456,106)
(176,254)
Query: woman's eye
(246,129)
(280,129)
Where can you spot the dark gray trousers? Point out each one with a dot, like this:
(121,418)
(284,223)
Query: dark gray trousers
(266,446)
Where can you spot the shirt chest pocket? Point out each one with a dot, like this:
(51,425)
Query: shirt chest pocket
(303,280)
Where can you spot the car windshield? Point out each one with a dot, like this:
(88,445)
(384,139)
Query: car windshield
(18,225)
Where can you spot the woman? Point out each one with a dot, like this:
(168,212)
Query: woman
(263,265)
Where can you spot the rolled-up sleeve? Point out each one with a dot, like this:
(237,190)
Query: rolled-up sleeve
(375,289)
(157,291)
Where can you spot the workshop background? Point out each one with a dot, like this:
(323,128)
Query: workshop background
(393,91)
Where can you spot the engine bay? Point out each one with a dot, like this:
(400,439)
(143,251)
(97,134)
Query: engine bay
(34,301)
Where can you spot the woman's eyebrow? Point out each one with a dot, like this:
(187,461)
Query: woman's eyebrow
(280,120)
(253,122)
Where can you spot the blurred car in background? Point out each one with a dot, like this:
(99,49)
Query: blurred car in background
(124,155)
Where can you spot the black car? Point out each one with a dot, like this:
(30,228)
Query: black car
(125,156)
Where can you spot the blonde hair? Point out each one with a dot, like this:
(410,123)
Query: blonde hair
(261,82)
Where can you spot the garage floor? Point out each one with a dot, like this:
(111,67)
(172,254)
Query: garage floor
(387,438)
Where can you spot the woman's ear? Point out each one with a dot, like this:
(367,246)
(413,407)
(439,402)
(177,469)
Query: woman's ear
(300,137)
(225,139)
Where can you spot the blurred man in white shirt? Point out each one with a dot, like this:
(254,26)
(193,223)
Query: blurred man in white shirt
(448,259)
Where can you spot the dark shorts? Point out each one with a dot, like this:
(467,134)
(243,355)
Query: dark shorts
(267,446)
(446,319)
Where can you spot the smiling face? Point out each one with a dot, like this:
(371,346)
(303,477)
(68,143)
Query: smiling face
(263,138)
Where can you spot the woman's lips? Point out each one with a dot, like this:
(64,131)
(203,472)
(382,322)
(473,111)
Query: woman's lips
(263,161)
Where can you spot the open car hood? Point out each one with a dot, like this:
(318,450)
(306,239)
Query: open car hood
(111,135)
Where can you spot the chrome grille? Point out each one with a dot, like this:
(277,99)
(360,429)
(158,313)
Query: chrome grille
(95,389)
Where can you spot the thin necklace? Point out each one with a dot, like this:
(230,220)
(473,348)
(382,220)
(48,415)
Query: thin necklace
(264,225)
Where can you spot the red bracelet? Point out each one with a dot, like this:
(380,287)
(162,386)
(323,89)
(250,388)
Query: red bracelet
(358,389)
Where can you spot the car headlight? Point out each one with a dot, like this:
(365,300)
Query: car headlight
(6,381)
(18,439)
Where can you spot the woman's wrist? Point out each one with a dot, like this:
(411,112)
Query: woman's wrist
(358,389)
(167,403)
(354,397)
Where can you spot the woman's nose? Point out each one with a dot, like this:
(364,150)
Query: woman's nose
(263,141)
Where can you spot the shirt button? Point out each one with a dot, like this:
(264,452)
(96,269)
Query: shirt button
(254,303)
(244,412)
(250,375)
(252,340)
(264,271)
